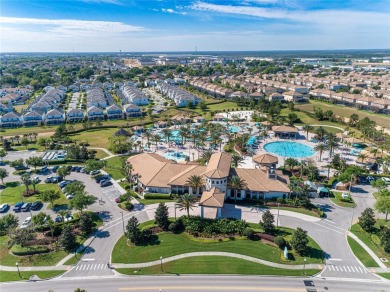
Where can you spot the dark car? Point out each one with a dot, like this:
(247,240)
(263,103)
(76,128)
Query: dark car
(78,168)
(101,178)
(73,168)
(105,183)
(18,207)
(36,205)
(49,179)
(363,180)
(55,168)
(26,207)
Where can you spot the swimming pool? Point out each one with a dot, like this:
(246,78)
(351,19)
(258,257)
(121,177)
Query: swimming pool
(234,129)
(176,155)
(289,149)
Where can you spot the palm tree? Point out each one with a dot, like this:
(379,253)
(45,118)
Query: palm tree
(362,156)
(303,165)
(26,179)
(195,182)
(156,138)
(320,147)
(186,202)
(148,135)
(63,213)
(236,160)
(167,133)
(236,183)
(206,156)
(320,132)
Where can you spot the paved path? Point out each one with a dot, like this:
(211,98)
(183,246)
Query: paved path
(217,253)
(369,250)
(42,268)
(110,154)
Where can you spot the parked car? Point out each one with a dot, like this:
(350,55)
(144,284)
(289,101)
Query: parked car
(116,200)
(95,172)
(26,207)
(101,178)
(55,168)
(105,183)
(58,219)
(49,179)
(43,169)
(370,179)
(70,196)
(36,205)
(64,183)
(345,195)
(78,168)
(82,170)
(363,180)
(386,180)
(68,218)
(36,179)
(18,207)
(4,208)
(56,179)
(26,223)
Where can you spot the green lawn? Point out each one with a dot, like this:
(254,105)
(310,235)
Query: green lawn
(11,193)
(113,167)
(100,154)
(385,275)
(328,129)
(97,137)
(174,244)
(305,119)
(298,210)
(215,265)
(343,111)
(14,276)
(367,239)
(336,197)
(47,259)
(361,253)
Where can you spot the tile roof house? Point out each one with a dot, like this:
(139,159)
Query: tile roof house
(156,174)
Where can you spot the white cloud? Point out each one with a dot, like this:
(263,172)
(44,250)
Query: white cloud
(115,2)
(170,10)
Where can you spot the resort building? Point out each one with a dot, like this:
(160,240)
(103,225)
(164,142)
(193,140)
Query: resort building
(156,174)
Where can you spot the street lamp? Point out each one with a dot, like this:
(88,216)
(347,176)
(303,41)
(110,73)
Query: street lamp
(277,219)
(304,264)
(17,266)
(161,265)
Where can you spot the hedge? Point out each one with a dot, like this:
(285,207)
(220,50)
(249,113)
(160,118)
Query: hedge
(28,250)
(157,196)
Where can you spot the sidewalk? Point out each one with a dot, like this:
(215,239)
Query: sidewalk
(225,254)
(27,269)
(370,252)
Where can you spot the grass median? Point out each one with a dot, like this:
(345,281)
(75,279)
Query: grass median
(215,265)
(336,197)
(14,276)
(168,245)
(361,253)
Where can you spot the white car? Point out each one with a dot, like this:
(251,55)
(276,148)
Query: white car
(345,195)
(386,180)
(68,218)
(3,207)
(370,178)
(70,196)
(26,223)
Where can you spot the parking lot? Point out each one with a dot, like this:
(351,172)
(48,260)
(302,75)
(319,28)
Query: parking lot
(105,196)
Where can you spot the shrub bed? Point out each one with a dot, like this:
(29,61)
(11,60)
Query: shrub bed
(28,250)
(197,226)
(157,196)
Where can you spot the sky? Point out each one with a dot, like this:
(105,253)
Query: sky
(203,25)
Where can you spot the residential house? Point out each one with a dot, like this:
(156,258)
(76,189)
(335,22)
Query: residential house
(10,120)
(95,113)
(75,115)
(54,117)
(32,118)
(114,112)
(132,111)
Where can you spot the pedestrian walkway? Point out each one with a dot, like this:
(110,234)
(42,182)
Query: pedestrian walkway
(215,253)
(348,269)
(89,266)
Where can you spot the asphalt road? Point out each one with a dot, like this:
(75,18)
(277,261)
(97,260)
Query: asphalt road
(195,284)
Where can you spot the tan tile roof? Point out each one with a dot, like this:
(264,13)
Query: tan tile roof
(265,159)
(257,180)
(285,129)
(213,198)
(219,165)
(181,178)
(164,175)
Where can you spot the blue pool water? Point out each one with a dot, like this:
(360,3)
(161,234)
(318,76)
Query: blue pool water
(289,149)
(252,140)
(234,129)
(175,155)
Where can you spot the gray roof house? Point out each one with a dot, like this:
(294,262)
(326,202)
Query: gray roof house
(95,113)
(32,118)
(114,112)
(75,115)
(54,117)
(132,110)
(10,120)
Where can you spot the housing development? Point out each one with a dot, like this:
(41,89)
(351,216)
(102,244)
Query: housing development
(166,164)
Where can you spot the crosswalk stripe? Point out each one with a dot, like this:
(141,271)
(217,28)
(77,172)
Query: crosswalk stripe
(337,268)
(365,270)
(361,271)
(353,269)
(77,268)
(343,268)
(349,270)
(101,266)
